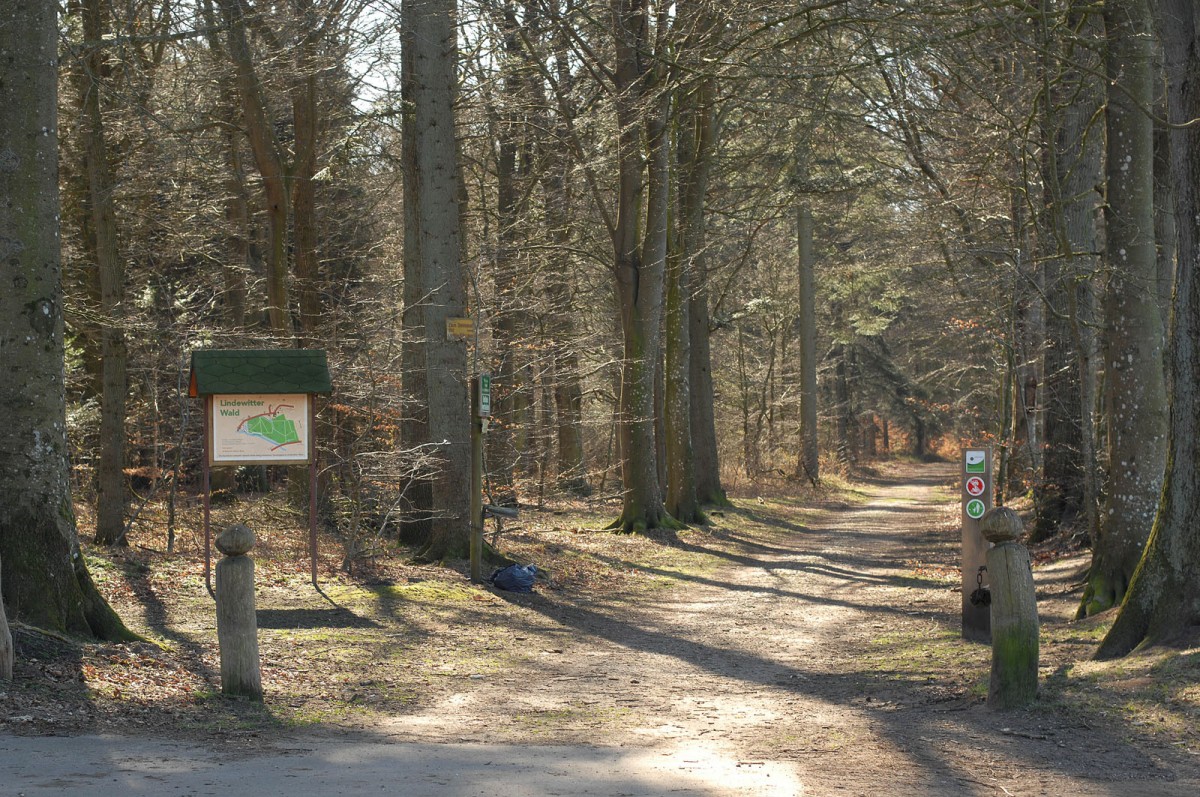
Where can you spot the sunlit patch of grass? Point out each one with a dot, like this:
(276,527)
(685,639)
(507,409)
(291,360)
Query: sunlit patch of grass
(931,574)
(575,554)
(929,658)
(1154,693)
(428,592)
(318,713)
(544,722)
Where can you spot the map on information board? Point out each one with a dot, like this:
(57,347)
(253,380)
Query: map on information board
(260,428)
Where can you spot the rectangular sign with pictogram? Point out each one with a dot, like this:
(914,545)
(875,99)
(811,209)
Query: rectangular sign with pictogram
(976,501)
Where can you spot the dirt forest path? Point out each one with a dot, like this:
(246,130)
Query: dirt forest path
(775,673)
(795,667)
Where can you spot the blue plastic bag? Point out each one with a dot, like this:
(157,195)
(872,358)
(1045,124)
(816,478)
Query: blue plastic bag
(514,578)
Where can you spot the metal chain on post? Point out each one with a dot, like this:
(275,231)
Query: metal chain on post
(982,596)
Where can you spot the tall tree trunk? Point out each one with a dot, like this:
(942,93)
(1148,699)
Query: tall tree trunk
(682,502)
(238,221)
(809,463)
(1164,202)
(510,388)
(1007,382)
(704,424)
(1161,603)
(1136,397)
(268,159)
(568,394)
(706,460)
(699,142)
(1073,170)
(433,270)
(639,248)
(841,397)
(305,114)
(45,580)
(843,418)
(697,147)
(104,253)
(571,472)
(1027,334)
(239,265)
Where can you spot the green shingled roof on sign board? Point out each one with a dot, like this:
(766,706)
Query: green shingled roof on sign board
(259,371)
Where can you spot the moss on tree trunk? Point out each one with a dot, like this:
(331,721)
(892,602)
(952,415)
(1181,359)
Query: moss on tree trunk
(1162,604)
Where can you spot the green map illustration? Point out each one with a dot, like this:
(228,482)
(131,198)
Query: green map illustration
(277,429)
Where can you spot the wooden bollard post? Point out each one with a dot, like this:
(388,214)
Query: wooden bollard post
(237,627)
(1014,680)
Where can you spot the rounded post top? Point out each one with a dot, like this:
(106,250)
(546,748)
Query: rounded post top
(237,540)
(1001,524)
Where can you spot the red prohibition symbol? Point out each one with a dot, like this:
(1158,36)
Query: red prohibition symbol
(976,486)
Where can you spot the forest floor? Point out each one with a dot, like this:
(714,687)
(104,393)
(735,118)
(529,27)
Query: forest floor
(800,644)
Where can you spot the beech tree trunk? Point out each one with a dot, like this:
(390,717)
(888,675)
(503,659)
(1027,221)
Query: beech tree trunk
(44,578)
(1164,203)
(268,159)
(640,249)
(681,474)
(306,127)
(239,225)
(435,287)
(1073,169)
(237,217)
(568,393)
(706,466)
(510,383)
(1136,397)
(109,280)
(704,424)
(809,458)
(696,149)
(1162,602)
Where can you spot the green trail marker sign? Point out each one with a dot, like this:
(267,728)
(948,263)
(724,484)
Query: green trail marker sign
(485,395)
(976,491)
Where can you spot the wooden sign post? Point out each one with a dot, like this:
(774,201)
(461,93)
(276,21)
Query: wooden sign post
(481,408)
(977,490)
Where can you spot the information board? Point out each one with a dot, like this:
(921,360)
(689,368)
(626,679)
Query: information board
(260,429)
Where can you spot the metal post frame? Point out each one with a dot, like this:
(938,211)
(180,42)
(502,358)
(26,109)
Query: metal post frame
(312,490)
(207,469)
(476,502)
